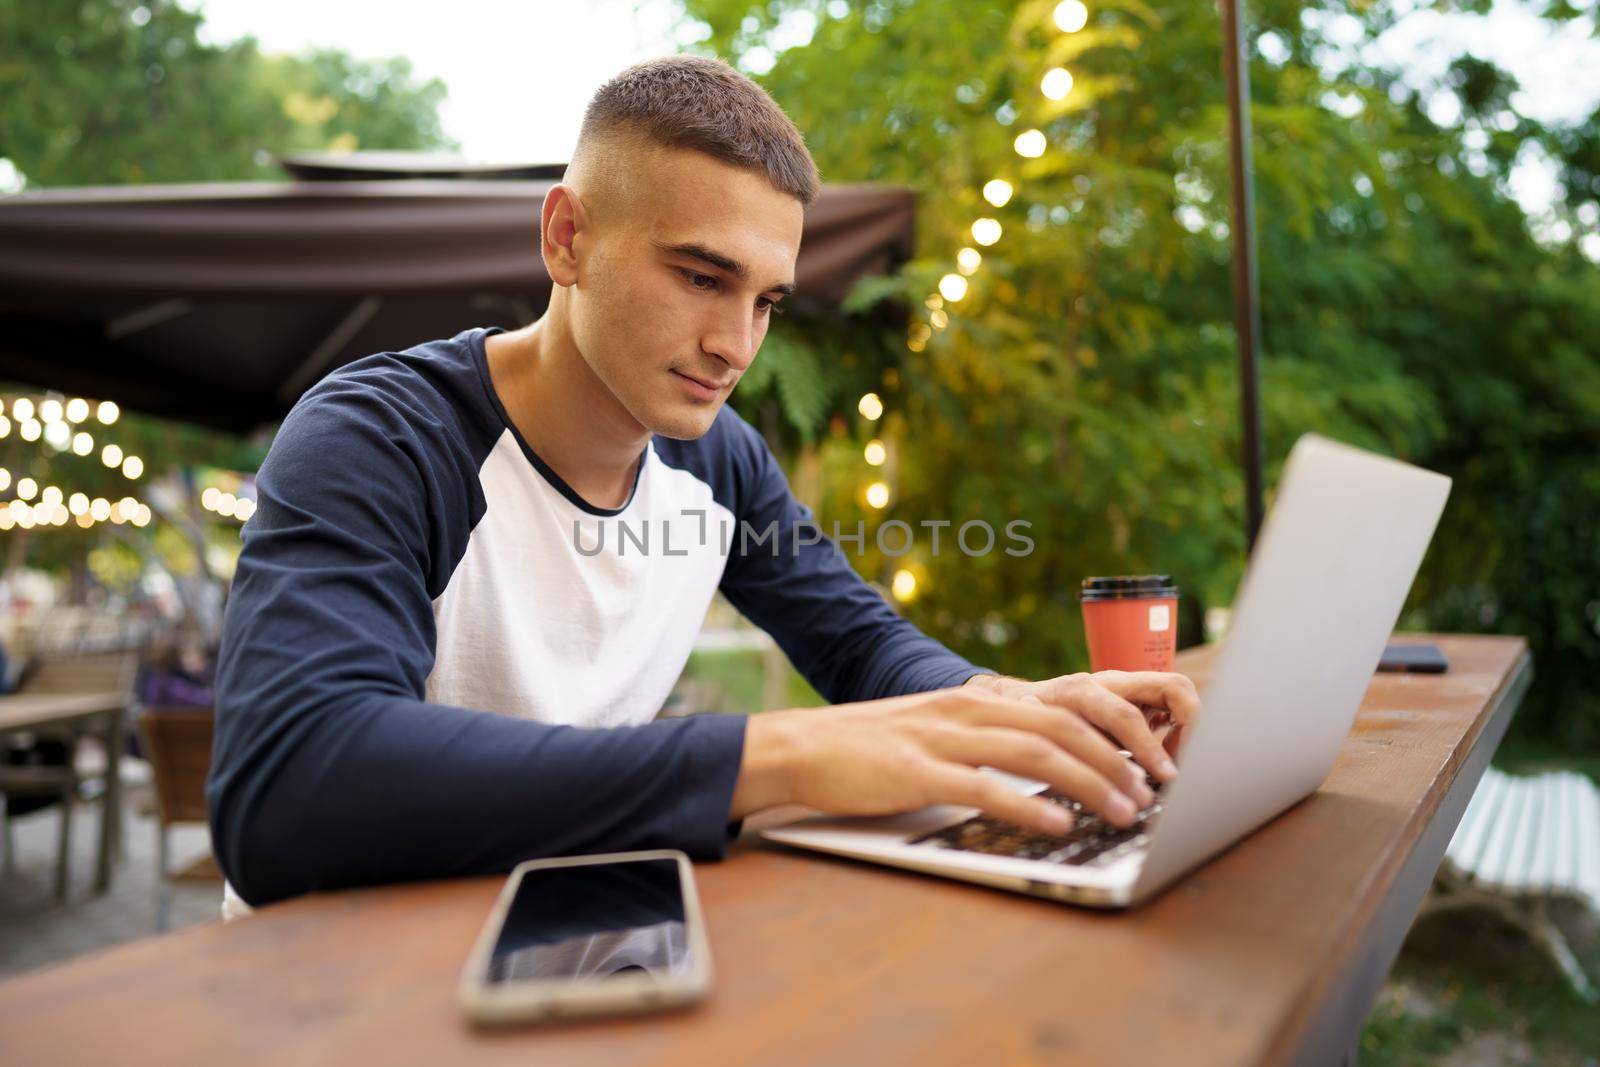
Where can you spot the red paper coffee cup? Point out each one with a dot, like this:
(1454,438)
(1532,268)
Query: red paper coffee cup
(1131,622)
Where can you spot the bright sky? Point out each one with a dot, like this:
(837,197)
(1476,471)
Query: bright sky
(519,73)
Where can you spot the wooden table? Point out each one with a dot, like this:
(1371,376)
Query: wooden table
(99,712)
(1272,953)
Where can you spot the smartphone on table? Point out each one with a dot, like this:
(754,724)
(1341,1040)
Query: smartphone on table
(590,935)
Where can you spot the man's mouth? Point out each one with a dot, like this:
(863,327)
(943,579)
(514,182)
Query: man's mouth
(703,387)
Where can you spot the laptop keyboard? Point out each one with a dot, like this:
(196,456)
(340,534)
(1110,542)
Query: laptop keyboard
(1092,842)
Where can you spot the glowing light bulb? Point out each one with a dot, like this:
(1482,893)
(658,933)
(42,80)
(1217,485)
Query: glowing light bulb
(1057,83)
(876,453)
(27,489)
(132,467)
(953,286)
(77,409)
(1071,16)
(997,192)
(871,407)
(986,231)
(878,494)
(107,412)
(904,585)
(968,260)
(111,455)
(1030,144)
(50,411)
(82,444)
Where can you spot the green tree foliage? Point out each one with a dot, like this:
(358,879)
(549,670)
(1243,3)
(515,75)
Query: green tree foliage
(96,92)
(1087,382)
(104,92)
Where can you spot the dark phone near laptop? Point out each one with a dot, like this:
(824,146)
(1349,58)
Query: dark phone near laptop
(1421,659)
(590,935)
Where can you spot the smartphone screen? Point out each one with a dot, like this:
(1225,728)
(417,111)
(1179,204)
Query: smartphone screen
(594,921)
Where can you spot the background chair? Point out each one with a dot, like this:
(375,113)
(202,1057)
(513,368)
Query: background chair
(38,770)
(177,742)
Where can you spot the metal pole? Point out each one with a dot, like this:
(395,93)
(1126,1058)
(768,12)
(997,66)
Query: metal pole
(1246,287)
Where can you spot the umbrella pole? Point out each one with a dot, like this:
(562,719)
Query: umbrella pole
(1246,286)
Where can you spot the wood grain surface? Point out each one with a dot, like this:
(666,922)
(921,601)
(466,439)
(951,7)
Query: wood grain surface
(1261,956)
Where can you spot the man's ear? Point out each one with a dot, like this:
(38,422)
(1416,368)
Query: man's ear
(561,221)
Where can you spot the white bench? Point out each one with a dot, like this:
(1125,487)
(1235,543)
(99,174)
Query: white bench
(1524,842)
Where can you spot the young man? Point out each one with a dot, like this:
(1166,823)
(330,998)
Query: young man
(439,661)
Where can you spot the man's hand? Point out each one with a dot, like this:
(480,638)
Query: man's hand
(882,757)
(1130,709)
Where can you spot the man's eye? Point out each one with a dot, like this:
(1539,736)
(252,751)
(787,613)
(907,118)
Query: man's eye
(769,305)
(700,281)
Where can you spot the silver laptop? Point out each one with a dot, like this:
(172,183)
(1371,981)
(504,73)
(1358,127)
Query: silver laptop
(1324,588)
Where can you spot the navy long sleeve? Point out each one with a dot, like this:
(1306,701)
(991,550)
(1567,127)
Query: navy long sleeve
(429,669)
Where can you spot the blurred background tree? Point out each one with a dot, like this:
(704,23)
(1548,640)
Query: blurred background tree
(104,92)
(1070,358)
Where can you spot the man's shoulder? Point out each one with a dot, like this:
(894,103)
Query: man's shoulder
(432,393)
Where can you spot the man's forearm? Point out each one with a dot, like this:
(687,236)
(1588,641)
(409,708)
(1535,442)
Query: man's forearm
(766,774)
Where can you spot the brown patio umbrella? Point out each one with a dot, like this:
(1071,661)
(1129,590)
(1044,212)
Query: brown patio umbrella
(220,304)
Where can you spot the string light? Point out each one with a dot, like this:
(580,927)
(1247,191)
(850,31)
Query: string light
(82,444)
(111,455)
(5,426)
(878,494)
(22,409)
(1029,144)
(31,430)
(876,453)
(986,231)
(132,467)
(871,407)
(939,319)
(904,585)
(5,479)
(107,412)
(1071,16)
(1057,83)
(968,260)
(997,191)
(953,286)
(27,489)
(50,411)
(77,409)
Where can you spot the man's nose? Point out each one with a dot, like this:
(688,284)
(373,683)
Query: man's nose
(733,338)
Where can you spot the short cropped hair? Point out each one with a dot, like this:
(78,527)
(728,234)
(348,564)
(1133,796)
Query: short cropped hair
(703,104)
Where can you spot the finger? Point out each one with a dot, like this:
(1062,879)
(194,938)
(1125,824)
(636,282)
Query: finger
(1174,692)
(951,783)
(1119,718)
(1068,729)
(1032,756)
(1173,740)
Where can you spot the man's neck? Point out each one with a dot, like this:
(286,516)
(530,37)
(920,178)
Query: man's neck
(567,415)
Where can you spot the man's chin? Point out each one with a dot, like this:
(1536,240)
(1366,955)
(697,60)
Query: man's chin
(683,424)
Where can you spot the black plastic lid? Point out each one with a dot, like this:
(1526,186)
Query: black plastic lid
(1128,587)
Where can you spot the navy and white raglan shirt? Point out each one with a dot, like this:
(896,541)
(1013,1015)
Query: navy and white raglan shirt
(438,660)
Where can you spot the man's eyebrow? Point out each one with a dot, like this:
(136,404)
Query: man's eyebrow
(693,250)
